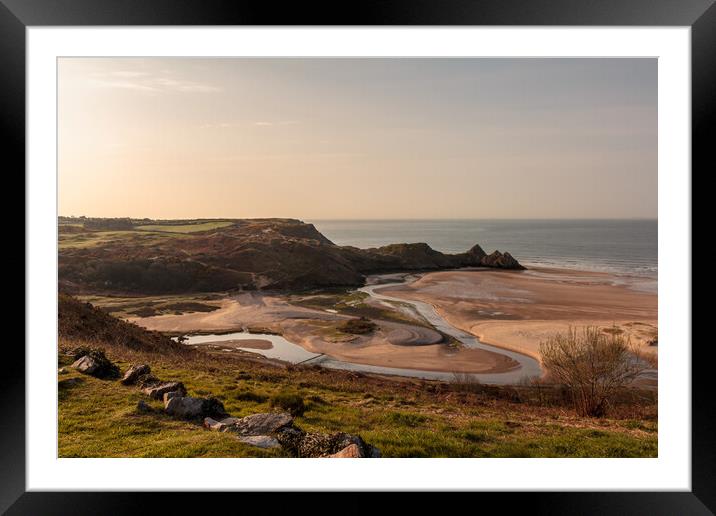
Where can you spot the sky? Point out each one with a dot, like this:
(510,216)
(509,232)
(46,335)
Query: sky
(320,138)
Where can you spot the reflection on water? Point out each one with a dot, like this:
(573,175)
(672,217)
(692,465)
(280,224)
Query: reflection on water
(281,349)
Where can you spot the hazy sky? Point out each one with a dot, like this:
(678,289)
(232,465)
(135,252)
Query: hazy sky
(358,138)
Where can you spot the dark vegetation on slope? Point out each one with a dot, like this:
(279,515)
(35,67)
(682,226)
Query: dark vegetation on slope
(118,256)
(82,322)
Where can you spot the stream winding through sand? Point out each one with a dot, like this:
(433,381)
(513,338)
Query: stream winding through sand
(287,351)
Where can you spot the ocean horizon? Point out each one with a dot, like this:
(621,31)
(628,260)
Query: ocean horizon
(619,246)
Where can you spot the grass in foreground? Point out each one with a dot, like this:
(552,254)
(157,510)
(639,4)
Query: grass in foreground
(97,418)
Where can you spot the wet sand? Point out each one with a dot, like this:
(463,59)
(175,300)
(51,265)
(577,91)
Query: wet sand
(518,309)
(377,349)
(391,345)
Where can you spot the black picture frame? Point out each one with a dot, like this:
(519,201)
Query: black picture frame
(17,15)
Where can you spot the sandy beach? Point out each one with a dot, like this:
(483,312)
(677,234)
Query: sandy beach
(518,309)
(390,345)
(508,309)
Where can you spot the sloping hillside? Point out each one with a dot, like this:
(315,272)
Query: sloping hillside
(84,323)
(162,257)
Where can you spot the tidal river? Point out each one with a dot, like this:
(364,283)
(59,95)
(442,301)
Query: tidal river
(287,351)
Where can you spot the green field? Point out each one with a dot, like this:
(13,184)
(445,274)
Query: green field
(97,418)
(102,238)
(185,228)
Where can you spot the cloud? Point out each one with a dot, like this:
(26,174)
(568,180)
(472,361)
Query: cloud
(148,83)
(218,125)
(227,125)
(128,73)
(279,123)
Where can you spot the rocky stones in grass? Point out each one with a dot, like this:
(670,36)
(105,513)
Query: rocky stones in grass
(95,363)
(270,430)
(156,392)
(217,426)
(349,452)
(169,395)
(261,441)
(256,424)
(186,407)
(301,444)
(261,424)
(134,373)
(214,408)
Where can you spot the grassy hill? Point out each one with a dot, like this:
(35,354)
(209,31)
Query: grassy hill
(172,257)
(402,417)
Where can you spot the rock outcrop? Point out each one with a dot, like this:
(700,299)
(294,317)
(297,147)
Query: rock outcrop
(302,444)
(157,391)
(349,452)
(500,260)
(261,441)
(134,373)
(259,424)
(94,363)
(184,407)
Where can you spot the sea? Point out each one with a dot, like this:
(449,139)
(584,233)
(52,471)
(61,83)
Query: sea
(622,247)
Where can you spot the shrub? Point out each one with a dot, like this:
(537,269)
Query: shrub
(465,382)
(360,326)
(290,402)
(594,366)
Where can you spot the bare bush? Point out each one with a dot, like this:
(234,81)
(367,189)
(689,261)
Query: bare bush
(465,382)
(593,365)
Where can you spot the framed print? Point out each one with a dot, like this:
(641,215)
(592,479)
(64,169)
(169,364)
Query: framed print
(453,241)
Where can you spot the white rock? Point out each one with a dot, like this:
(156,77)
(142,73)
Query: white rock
(261,441)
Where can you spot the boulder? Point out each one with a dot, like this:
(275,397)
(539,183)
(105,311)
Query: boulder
(303,444)
(349,452)
(261,441)
(169,395)
(133,374)
(214,408)
(95,363)
(156,392)
(261,424)
(87,365)
(189,408)
(213,424)
(185,407)
(147,380)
